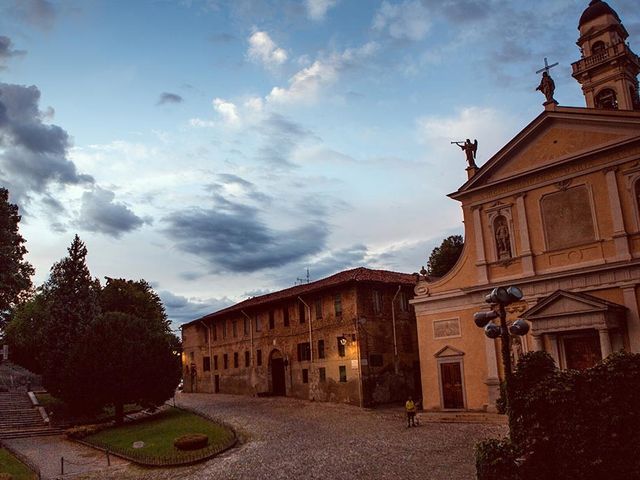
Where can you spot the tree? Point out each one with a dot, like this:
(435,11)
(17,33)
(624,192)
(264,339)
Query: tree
(15,272)
(72,298)
(135,363)
(25,333)
(444,257)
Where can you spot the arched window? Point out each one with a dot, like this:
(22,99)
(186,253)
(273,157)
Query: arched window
(502,237)
(597,47)
(607,100)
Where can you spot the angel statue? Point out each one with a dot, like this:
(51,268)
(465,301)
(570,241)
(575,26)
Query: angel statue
(470,150)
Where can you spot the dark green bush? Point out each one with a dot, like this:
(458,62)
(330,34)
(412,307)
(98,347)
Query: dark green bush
(573,424)
(496,460)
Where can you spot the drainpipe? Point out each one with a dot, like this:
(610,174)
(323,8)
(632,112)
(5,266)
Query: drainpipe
(251,335)
(393,320)
(210,358)
(310,328)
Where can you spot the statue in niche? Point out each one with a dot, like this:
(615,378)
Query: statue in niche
(503,240)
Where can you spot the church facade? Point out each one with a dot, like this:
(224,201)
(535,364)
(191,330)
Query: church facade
(555,212)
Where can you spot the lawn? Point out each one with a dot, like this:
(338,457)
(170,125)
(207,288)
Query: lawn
(158,434)
(17,469)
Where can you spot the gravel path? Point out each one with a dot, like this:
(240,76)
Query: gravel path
(46,452)
(285,438)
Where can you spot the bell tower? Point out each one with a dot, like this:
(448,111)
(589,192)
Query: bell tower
(608,70)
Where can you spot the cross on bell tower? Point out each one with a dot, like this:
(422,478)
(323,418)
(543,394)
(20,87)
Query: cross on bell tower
(608,70)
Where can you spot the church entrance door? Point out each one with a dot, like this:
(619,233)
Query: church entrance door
(278,385)
(452,395)
(582,351)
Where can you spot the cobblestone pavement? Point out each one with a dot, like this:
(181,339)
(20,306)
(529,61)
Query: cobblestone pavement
(46,452)
(284,438)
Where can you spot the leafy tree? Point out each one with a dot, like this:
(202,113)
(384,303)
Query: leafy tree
(135,363)
(444,257)
(133,298)
(15,272)
(72,298)
(126,354)
(25,333)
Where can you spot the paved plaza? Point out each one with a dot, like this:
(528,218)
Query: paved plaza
(284,438)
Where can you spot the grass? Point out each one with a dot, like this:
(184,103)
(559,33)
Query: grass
(17,469)
(158,434)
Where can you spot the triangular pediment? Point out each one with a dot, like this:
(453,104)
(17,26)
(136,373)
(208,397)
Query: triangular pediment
(561,303)
(448,351)
(555,137)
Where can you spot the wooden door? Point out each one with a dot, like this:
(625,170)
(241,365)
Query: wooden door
(277,376)
(582,351)
(452,395)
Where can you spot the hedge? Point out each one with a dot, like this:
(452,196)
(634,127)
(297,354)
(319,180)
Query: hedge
(570,424)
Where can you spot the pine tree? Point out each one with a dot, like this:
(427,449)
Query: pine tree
(15,272)
(72,297)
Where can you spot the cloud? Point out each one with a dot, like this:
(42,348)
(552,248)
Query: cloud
(99,213)
(409,20)
(33,155)
(184,309)
(338,260)
(227,110)
(7,52)
(39,13)
(307,83)
(263,50)
(281,137)
(317,9)
(167,97)
(233,237)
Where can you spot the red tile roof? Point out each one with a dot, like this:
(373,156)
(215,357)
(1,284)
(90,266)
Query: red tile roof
(359,274)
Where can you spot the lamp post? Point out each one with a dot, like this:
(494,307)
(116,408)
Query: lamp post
(499,298)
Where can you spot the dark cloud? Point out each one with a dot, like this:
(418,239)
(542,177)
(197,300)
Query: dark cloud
(7,52)
(182,309)
(39,13)
(281,136)
(464,10)
(99,213)
(34,154)
(233,238)
(168,97)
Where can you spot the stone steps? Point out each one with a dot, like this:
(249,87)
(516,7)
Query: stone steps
(19,418)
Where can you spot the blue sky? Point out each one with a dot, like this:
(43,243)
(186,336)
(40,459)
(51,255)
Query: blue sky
(219,148)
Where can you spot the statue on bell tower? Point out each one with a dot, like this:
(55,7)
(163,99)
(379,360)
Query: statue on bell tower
(608,70)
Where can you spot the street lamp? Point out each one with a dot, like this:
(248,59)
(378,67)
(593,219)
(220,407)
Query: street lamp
(499,298)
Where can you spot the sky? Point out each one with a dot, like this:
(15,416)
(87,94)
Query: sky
(220,148)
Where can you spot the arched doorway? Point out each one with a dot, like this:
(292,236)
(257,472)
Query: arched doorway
(276,362)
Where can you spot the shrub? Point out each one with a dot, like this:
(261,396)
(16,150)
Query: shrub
(6,476)
(78,433)
(194,441)
(496,460)
(571,424)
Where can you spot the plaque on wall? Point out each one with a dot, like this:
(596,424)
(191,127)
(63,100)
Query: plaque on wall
(567,218)
(446,328)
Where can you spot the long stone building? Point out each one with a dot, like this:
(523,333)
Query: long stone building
(350,337)
(556,212)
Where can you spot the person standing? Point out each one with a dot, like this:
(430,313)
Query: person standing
(410,408)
